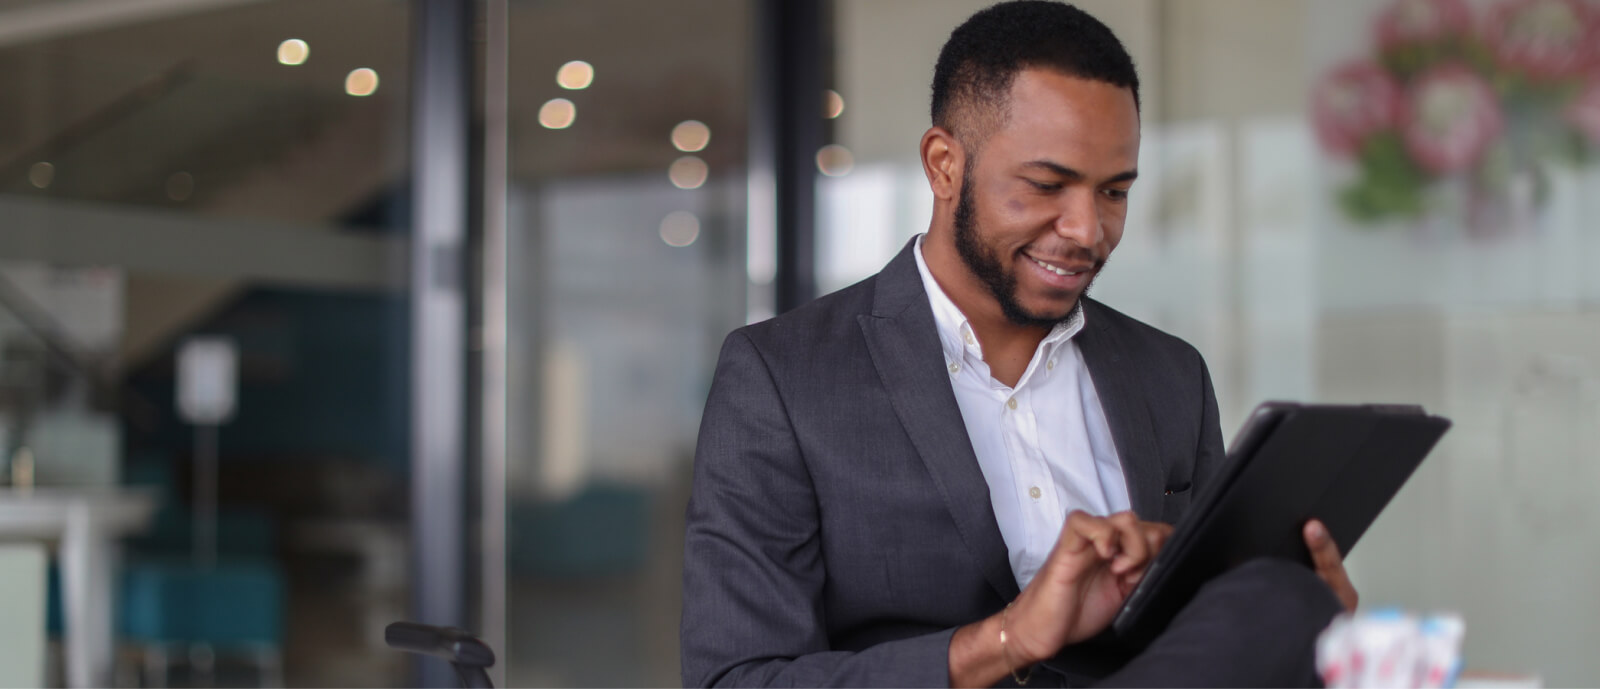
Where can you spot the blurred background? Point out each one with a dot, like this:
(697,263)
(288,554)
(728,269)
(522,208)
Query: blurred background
(319,315)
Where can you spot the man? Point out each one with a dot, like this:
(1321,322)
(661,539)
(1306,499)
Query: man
(954,472)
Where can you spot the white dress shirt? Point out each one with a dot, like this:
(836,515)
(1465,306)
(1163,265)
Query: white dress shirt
(1044,446)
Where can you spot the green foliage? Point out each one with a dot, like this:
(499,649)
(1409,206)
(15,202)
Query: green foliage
(1391,185)
(1573,148)
(1405,62)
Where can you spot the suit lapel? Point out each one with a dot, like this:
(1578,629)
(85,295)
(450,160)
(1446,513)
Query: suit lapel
(1116,383)
(904,343)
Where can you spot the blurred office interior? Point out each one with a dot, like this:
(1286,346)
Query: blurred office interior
(475,259)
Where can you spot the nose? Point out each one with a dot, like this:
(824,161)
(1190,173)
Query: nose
(1079,218)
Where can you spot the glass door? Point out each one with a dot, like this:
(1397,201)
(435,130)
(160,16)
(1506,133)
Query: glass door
(626,266)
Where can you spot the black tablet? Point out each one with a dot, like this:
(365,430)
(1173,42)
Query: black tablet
(1290,463)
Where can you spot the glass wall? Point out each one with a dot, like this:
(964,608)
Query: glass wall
(232,169)
(627,263)
(1435,252)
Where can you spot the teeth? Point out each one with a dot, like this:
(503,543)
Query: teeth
(1050,268)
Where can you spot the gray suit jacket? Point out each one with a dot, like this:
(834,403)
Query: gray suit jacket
(840,530)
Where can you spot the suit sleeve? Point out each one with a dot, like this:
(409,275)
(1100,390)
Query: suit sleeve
(754,574)
(1210,452)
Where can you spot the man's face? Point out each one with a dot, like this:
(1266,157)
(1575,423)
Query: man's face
(1042,205)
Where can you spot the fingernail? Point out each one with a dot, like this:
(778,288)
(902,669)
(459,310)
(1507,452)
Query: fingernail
(1317,532)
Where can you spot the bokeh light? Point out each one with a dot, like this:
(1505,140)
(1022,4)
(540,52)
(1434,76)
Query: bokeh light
(558,113)
(680,228)
(293,52)
(575,75)
(41,174)
(691,135)
(361,82)
(832,104)
(835,160)
(180,186)
(688,172)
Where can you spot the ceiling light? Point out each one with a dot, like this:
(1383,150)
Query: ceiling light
(558,113)
(180,186)
(293,52)
(361,82)
(688,172)
(833,104)
(835,160)
(41,174)
(691,135)
(680,228)
(575,75)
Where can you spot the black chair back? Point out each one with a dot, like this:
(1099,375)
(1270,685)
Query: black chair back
(469,655)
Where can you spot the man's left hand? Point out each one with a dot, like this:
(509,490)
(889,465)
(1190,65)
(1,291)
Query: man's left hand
(1330,564)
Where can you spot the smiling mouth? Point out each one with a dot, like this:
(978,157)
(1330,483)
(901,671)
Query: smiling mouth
(1056,269)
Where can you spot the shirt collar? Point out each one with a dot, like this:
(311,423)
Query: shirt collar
(954,328)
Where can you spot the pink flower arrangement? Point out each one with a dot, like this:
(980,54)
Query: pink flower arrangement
(1584,112)
(1450,95)
(1543,39)
(1449,117)
(1409,22)
(1352,103)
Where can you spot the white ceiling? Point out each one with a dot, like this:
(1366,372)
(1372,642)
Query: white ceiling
(246,128)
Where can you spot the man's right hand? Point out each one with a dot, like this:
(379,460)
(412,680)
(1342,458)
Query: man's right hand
(1096,563)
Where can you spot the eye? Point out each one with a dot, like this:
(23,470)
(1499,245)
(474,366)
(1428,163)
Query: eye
(1044,186)
(1117,194)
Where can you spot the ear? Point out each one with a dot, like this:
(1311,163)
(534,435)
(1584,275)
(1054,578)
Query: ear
(944,162)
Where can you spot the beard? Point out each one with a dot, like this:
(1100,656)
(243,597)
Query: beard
(991,271)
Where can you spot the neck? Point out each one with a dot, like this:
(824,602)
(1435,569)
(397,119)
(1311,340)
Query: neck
(1006,345)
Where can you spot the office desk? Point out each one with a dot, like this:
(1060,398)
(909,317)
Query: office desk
(85,524)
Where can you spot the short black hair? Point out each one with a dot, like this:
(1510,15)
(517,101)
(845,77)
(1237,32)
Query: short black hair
(983,56)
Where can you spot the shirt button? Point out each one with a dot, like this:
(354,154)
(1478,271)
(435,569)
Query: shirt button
(1012,403)
(968,337)
(1034,492)
(1050,365)
(955,367)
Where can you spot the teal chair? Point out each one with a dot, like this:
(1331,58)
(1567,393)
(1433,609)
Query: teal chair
(172,608)
(232,609)
(169,608)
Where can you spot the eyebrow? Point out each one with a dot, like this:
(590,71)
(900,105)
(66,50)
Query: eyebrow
(1064,171)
